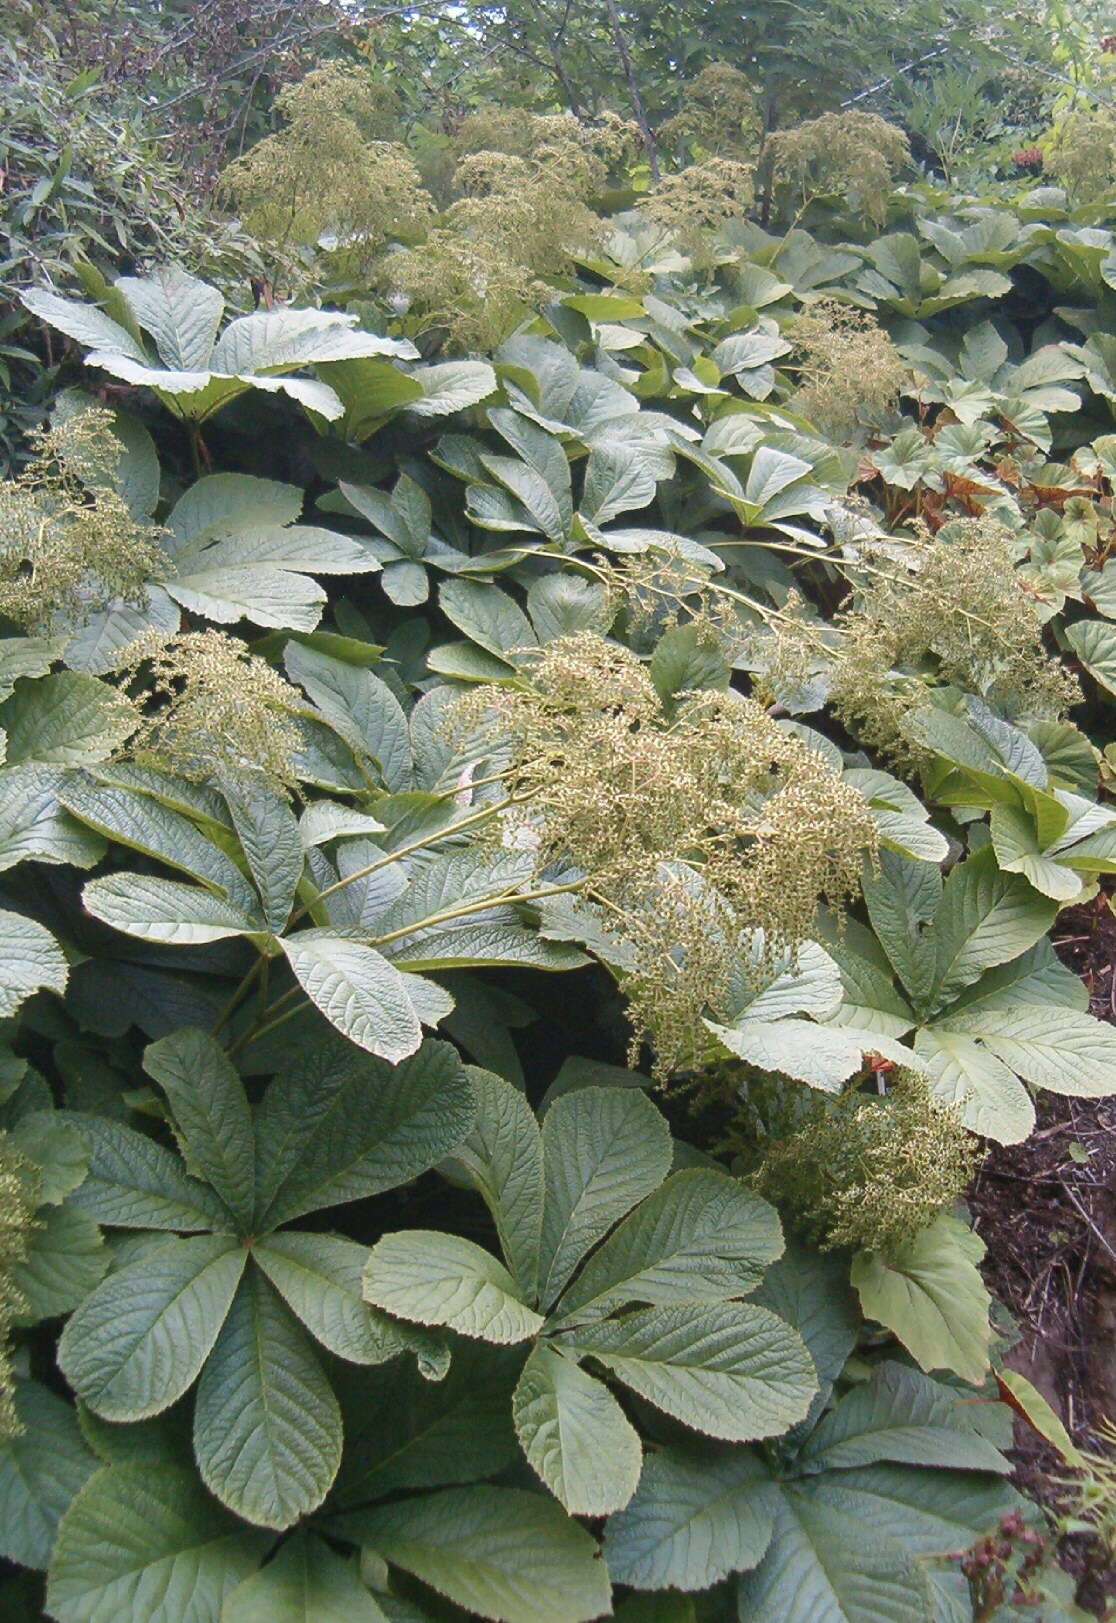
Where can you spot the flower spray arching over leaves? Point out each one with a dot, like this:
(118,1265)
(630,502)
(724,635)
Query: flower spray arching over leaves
(847,364)
(213,711)
(867,1171)
(852,153)
(689,821)
(68,544)
(952,606)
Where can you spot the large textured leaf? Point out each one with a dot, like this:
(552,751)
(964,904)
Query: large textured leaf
(917,1511)
(434,1278)
(30,959)
(986,918)
(270,840)
(305,1583)
(164,910)
(211,1115)
(700,1237)
(339,1126)
(159,831)
(902,1416)
(695,1519)
(810,1290)
(822,1568)
(728,1369)
(1061,1049)
(604,1149)
(503,1554)
(41,1469)
(575,1435)
(267,1428)
(181,313)
(989,1098)
(358,990)
(359,707)
(143,1546)
(134,1183)
(138,1341)
(68,719)
(932,1297)
(502,1159)
(67,1257)
(319,1278)
(405,1431)
(34,825)
(1094,643)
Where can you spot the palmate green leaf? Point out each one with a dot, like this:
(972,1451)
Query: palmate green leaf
(34,825)
(902,898)
(66,1258)
(503,1554)
(267,1427)
(474,941)
(305,1583)
(700,1237)
(132,1182)
(901,1416)
(810,1291)
(916,1511)
(361,993)
(695,1519)
(164,910)
(138,1341)
(821,1568)
(405,1431)
(434,1278)
(502,1160)
(986,918)
(728,1369)
(1016,844)
(359,707)
(145,824)
(212,1119)
(575,1435)
(1056,1048)
(143,1546)
(932,1297)
(337,1125)
(604,1149)
(272,845)
(41,1469)
(68,719)
(487,616)
(56,1148)
(319,1278)
(988,1096)
(30,960)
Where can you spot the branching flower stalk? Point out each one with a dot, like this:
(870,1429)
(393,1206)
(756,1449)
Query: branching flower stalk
(713,820)
(68,544)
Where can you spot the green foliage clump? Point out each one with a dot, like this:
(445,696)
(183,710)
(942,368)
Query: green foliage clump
(847,364)
(334,168)
(1080,153)
(700,198)
(717,821)
(68,543)
(719,115)
(952,609)
(515,227)
(211,710)
(868,1172)
(18,1180)
(851,154)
